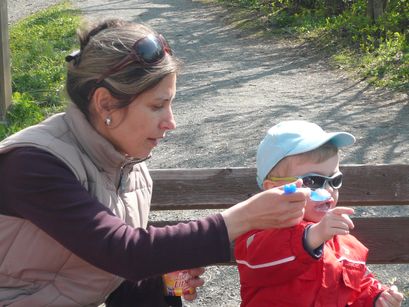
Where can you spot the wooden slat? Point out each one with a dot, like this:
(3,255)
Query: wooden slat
(374,185)
(385,237)
(364,185)
(201,188)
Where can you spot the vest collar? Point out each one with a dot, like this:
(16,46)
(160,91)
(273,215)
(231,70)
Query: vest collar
(100,150)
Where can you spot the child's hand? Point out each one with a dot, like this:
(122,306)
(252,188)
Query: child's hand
(390,298)
(194,282)
(335,222)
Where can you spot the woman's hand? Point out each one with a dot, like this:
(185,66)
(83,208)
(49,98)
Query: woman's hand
(194,282)
(390,298)
(268,209)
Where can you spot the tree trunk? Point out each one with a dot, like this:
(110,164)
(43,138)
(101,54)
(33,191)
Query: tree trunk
(376,8)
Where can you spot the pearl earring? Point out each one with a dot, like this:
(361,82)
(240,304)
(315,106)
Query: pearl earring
(108,121)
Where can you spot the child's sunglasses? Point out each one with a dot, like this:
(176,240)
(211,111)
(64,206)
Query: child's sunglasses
(147,51)
(315,181)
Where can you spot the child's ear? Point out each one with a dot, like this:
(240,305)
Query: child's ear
(268,184)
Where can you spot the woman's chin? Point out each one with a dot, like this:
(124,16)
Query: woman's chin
(139,155)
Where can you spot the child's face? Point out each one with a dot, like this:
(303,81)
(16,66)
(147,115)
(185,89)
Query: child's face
(314,211)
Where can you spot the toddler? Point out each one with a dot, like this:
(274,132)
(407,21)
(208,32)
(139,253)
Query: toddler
(317,262)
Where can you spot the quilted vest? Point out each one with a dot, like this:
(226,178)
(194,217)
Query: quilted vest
(35,270)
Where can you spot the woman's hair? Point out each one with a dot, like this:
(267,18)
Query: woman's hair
(318,155)
(104,45)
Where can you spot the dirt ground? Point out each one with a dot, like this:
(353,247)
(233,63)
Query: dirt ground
(235,86)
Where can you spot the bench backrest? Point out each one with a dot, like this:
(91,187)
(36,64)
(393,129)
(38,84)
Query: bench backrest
(364,185)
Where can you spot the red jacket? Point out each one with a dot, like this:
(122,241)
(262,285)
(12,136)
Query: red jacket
(276,270)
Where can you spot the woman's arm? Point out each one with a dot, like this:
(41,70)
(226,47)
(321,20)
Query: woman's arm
(39,187)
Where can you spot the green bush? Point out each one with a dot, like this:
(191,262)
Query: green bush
(377,50)
(23,112)
(38,46)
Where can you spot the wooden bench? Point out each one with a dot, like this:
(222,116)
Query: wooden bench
(387,237)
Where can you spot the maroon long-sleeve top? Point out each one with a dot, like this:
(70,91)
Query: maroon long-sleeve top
(37,186)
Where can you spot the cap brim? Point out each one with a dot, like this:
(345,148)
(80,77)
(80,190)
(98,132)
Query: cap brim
(339,139)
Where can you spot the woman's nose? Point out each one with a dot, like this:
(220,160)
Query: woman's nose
(168,123)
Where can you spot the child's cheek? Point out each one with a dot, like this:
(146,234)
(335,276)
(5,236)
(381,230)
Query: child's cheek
(335,195)
(310,213)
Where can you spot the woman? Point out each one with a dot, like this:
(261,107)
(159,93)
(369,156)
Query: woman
(75,191)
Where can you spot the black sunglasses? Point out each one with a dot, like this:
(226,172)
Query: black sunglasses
(315,181)
(147,51)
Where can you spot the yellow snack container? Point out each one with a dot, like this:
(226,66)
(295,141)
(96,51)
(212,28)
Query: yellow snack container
(175,283)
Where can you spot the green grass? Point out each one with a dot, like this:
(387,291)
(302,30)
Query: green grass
(38,46)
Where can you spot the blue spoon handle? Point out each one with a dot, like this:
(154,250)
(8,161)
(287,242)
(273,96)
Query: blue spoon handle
(290,188)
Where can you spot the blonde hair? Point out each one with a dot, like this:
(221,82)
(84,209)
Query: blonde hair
(318,155)
(102,46)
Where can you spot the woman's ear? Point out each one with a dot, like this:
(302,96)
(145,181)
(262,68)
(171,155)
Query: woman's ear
(102,102)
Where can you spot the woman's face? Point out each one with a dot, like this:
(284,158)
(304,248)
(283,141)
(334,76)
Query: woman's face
(138,128)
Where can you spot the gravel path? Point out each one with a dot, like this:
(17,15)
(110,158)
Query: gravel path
(235,86)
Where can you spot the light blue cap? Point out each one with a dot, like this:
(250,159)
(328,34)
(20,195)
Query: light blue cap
(291,138)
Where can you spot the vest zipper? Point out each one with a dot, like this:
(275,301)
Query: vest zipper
(121,176)
(127,162)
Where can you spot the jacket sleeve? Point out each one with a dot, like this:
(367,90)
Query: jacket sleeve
(274,252)
(366,287)
(371,288)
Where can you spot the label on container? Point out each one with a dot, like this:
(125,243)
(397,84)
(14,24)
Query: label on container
(176,283)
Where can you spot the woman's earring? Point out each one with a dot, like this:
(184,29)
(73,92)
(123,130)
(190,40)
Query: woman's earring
(108,121)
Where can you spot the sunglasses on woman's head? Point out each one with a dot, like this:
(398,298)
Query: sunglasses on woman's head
(147,51)
(315,181)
